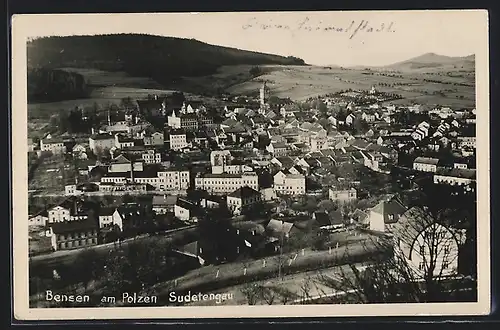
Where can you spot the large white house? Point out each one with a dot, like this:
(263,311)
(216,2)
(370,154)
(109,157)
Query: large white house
(384,214)
(243,198)
(426,245)
(425,164)
(289,184)
(54,145)
(226,183)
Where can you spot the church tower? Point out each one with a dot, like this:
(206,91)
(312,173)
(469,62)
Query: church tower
(263,91)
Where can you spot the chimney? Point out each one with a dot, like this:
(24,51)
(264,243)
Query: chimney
(93,131)
(109,116)
(136,119)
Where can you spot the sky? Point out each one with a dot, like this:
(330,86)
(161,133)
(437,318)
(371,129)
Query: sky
(345,38)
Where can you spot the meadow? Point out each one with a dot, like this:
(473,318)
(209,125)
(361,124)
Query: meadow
(300,83)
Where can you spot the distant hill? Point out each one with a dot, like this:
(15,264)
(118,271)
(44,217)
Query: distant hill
(164,59)
(434,61)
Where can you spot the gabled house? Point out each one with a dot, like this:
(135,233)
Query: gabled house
(425,164)
(349,120)
(278,149)
(186,210)
(279,229)
(331,221)
(243,199)
(73,234)
(39,220)
(164,204)
(429,247)
(385,213)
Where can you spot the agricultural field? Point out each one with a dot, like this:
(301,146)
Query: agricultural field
(101,78)
(299,83)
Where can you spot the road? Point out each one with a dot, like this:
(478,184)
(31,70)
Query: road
(301,287)
(212,277)
(65,255)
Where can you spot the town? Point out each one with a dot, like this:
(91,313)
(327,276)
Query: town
(245,179)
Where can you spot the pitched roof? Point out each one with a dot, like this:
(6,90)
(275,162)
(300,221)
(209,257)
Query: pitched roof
(249,226)
(426,160)
(165,200)
(279,227)
(389,208)
(186,204)
(244,192)
(106,211)
(73,226)
(102,136)
(457,173)
(285,161)
(411,224)
(359,215)
(121,159)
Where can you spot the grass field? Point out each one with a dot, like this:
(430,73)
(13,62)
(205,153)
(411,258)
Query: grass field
(95,77)
(300,83)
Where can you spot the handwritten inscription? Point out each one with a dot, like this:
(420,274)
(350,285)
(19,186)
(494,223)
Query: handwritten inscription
(350,30)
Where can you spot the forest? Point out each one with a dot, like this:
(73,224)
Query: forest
(51,85)
(163,59)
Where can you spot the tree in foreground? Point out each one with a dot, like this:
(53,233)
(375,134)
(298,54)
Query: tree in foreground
(423,266)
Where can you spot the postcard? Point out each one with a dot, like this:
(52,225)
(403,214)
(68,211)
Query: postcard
(250,164)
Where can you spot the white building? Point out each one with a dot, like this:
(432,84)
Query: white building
(425,164)
(185,210)
(100,142)
(226,183)
(54,145)
(289,184)
(174,120)
(173,179)
(151,157)
(455,176)
(424,243)
(384,214)
(62,214)
(122,141)
(109,217)
(243,198)
(342,195)
(39,220)
(178,141)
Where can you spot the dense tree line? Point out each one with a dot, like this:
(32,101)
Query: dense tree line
(49,85)
(164,59)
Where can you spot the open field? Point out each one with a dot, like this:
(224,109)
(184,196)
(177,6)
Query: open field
(50,175)
(94,77)
(299,83)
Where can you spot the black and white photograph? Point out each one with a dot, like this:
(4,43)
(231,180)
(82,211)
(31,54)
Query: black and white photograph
(302,163)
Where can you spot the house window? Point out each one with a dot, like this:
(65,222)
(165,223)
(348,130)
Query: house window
(421,266)
(445,265)
(422,250)
(446,250)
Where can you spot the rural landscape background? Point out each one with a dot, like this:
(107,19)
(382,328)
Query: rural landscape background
(107,68)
